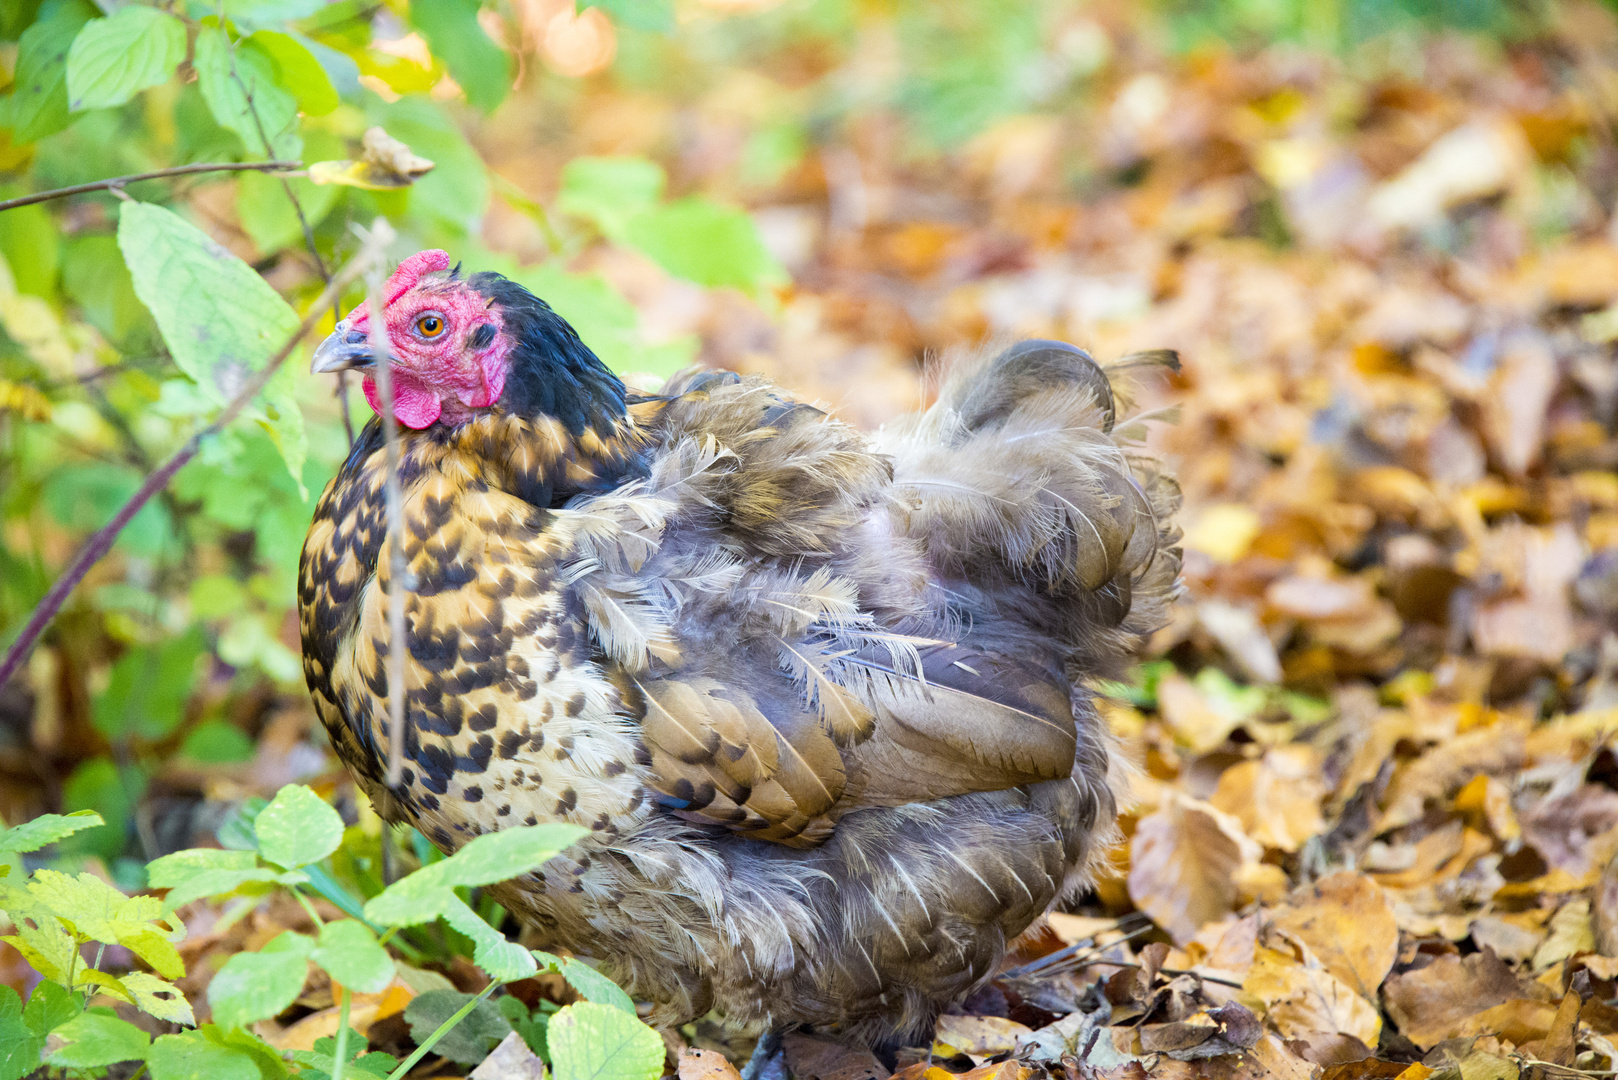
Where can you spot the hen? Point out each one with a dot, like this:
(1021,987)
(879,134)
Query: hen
(818,695)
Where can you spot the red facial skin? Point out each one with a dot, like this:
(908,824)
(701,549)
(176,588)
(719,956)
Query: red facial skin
(436,375)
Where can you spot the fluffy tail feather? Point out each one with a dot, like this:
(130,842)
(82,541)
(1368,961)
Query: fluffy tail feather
(1016,482)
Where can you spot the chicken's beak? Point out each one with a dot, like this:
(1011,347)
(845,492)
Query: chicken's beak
(346,348)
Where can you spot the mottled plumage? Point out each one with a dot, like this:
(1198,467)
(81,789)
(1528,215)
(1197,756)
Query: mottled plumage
(817,695)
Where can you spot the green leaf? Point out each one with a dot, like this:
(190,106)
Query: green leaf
(299,71)
(654,16)
(115,58)
(530,1025)
(95,277)
(97,784)
(47,829)
(319,1063)
(589,982)
(480,66)
(297,827)
(19,1047)
(255,986)
(269,217)
(161,999)
(588,1041)
(220,320)
(469,1041)
(48,1008)
(707,243)
(96,1039)
(48,948)
(194,1055)
(217,743)
(498,856)
(86,497)
(610,191)
(39,102)
(32,246)
(149,687)
(182,866)
(349,953)
(97,911)
(241,81)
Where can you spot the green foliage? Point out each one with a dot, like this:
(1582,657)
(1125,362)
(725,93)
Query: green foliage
(255,986)
(221,321)
(481,67)
(321,1062)
(297,827)
(115,58)
(39,105)
(46,829)
(149,687)
(590,1041)
(429,893)
(349,952)
(470,1040)
(95,1039)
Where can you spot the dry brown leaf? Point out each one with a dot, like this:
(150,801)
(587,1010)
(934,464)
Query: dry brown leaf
(1276,798)
(512,1060)
(1576,832)
(697,1064)
(1442,770)
(1184,860)
(1302,997)
(812,1057)
(1434,1003)
(1511,936)
(1571,931)
(977,1036)
(364,1010)
(1346,921)
(1073,929)
(1195,723)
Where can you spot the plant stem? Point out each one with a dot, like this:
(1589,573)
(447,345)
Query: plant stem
(309,906)
(101,540)
(117,182)
(397,572)
(340,1049)
(443,1029)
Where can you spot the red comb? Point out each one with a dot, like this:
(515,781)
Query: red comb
(405,278)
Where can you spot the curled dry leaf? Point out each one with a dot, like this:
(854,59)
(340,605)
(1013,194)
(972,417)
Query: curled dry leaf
(1184,862)
(1301,996)
(512,1060)
(385,164)
(1440,1001)
(977,1036)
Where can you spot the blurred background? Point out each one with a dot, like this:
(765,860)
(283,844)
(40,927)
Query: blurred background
(1379,232)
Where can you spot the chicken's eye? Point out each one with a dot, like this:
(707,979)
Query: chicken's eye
(430,325)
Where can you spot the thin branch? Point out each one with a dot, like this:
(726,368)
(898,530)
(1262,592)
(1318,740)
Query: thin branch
(398,574)
(117,183)
(101,541)
(303,223)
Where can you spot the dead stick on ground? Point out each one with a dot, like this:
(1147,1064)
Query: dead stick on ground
(117,183)
(398,575)
(101,542)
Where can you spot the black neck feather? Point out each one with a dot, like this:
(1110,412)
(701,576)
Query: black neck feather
(553,373)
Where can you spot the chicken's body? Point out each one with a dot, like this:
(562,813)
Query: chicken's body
(814,694)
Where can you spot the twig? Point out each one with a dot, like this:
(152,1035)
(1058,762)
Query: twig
(394,500)
(117,183)
(303,220)
(101,541)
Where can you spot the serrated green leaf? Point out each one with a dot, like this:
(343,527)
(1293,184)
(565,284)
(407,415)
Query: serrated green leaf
(176,869)
(298,827)
(115,58)
(97,911)
(319,1063)
(192,1055)
(47,829)
(49,1006)
(469,1041)
(589,1041)
(429,893)
(298,71)
(241,81)
(653,16)
(255,986)
(161,999)
(610,191)
(96,1039)
(349,953)
(589,982)
(39,102)
(220,320)
(480,67)
(48,948)
(702,241)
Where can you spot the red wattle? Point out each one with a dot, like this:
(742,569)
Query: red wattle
(413,406)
